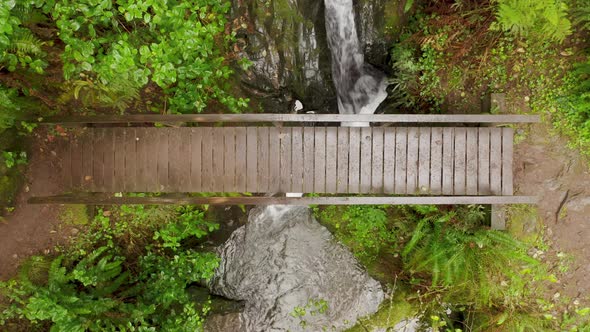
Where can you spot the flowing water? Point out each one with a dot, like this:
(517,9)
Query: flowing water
(360,87)
(283,258)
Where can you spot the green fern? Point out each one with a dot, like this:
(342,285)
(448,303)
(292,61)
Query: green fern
(581,14)
(25,43)
(118,94)
(539,19)
(473,265)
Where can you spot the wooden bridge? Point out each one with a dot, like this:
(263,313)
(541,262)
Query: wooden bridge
(422,159)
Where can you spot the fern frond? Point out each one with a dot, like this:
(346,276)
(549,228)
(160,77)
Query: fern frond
(24,42)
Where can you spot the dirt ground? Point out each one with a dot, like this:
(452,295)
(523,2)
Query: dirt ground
(33,229)
(544,167)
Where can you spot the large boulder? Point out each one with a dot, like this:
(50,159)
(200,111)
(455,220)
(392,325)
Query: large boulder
(284,261)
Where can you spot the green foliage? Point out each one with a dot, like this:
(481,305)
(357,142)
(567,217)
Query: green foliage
(367,230)
(12,159)
(18,46)
(191,223)
(102,290)
(9,108)
(573,116)
(177,45)
(481,267)
(313,307)
(541,19)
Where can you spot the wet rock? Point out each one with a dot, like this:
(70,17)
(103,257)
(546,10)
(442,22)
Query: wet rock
(285,40)
(284,259)
(287,44)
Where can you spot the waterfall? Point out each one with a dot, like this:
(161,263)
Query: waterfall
(360,87)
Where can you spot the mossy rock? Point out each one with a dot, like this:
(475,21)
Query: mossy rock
(75,214)
(391,313)
(9,184)
(524,223)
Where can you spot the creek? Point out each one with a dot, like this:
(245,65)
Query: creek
(285,268)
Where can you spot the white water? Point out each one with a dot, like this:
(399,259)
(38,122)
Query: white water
(360,87)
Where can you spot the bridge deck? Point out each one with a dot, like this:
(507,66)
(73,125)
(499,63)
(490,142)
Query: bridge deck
(382,160)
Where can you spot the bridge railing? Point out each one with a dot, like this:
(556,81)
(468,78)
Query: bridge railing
(310,118)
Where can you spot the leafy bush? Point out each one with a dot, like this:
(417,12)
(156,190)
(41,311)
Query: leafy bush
(18,46)
(9,109)
(542,19)
(107,287)
(366,230)
(178,45)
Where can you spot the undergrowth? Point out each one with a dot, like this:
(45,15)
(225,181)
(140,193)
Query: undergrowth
(127,271)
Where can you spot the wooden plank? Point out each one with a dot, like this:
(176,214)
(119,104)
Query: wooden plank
(162,159)
(377,161)
(320,160)
(401,159)
(413,146)
(303,201)
(119,147)
(152,160)
(275,160)
(64,157)
(436,160)
(263,159)
(342,164)
(76,167)
(285,160)
(97,183)
(354,160)
(460,162)
(507,150)
(331,159)
(483,169)
(109,160)
(424,161)
(308,159)
(174,164)
(87,159)
(448,161)
(389,161)
(242,118)
(151,140)
(472,150)
(496,161)
(297,160)
(196,141)
(207,159)
(218,159)
(229,163)
(143,159)
(184,167)
(130,160)
(241,159)
(366,159)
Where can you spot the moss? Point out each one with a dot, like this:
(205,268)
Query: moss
(390,313)
(524,223)
(75,214)
(9,184)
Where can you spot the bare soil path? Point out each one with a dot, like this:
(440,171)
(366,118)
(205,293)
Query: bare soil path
(33,229)
(544,166)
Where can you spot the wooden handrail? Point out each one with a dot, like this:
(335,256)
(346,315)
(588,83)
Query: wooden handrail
(106,199)
(266,117)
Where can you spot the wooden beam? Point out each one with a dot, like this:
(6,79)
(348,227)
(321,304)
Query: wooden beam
(265,117)
(110,199)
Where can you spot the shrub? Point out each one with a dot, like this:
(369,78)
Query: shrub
(107,287)
(540,19)
(177,45)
